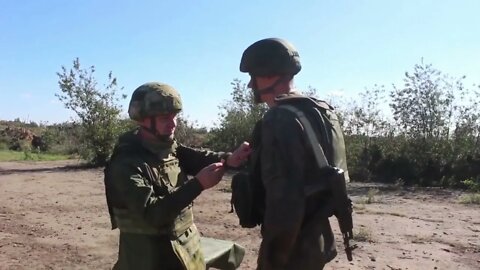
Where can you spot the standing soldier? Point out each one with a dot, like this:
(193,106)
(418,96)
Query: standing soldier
(295,227)
(148,192)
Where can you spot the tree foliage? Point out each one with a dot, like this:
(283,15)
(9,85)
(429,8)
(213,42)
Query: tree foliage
(433,138)
(423,106)
(237,118)
(96,107)
(423,132)
(189,133)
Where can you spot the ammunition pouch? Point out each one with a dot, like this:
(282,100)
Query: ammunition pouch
(188,250)
(247,199)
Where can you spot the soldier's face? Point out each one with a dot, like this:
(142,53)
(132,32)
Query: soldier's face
(259,83)
(263,87)
(166,124)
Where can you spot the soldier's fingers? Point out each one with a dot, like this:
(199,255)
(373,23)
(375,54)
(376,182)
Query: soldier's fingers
(220,170)
(215,166)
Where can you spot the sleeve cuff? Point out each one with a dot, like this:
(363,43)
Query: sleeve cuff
(225,156)
(195,186)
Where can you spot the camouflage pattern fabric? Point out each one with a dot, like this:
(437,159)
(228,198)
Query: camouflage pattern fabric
(151,198)
(152,99)
(293,236)
(221,254)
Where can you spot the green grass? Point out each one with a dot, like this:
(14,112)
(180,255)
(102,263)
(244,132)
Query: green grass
(8,155)
(473,198)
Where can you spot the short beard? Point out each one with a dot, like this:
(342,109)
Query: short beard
(165,138)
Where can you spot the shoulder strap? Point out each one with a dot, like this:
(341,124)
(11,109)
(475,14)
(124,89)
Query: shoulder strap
(324,105)
(316,147)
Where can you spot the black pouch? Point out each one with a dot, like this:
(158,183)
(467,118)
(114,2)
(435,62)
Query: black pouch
(247,200)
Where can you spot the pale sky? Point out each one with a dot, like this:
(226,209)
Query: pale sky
(196,46)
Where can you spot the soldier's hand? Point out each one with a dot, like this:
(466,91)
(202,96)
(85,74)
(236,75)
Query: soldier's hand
(210,175)
(240,155)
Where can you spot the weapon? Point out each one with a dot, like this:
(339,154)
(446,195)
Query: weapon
(340,205)
(342,209)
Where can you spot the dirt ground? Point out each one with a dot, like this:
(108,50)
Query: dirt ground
(53,216)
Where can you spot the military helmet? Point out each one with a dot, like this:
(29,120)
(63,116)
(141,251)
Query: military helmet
(271,56)
(153,98)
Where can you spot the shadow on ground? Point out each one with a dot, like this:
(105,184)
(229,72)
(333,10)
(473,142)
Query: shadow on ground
(66,168)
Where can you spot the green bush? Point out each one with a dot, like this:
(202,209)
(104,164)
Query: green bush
(472,185)
(237,119)
(96,108)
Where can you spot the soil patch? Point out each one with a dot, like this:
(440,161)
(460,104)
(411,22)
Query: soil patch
(53,216)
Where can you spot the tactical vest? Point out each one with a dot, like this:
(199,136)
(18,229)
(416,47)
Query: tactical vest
(247,187)
(327,127)
(163,176)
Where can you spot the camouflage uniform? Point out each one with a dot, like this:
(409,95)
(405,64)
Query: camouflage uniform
(150,197)
(294,235)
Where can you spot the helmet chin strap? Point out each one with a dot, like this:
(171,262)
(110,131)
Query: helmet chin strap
(153,130)
(257,93)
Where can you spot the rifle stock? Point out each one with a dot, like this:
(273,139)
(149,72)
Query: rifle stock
(343,209)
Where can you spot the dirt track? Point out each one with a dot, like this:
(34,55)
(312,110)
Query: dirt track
(53,216)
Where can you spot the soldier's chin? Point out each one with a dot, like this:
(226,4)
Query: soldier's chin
(171,135)
(168,133)
(165,137)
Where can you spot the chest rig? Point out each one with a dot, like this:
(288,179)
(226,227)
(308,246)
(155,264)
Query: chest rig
(165,176)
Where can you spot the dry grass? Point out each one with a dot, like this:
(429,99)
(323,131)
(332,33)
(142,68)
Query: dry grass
(363,235)
(473,198)
(371,196)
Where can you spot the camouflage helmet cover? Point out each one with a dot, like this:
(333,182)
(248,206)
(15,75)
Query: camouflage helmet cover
(153,98)
(271,56)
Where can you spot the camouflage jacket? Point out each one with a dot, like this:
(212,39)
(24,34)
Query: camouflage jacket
(150,198)
(292,239)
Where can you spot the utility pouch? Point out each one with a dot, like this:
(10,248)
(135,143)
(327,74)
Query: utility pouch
(247,200)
